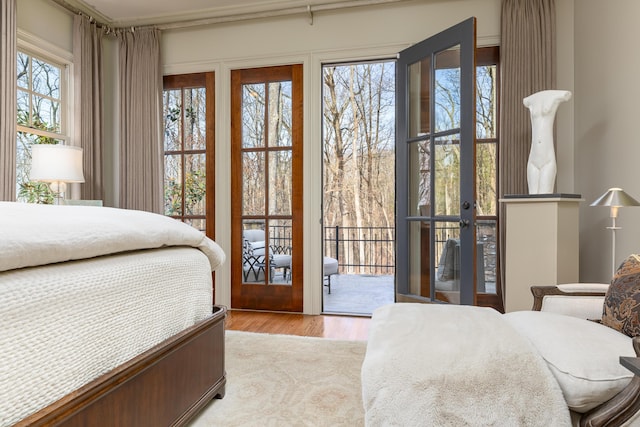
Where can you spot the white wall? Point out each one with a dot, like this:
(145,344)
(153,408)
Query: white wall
(376,32)
(48,21)
(607,90)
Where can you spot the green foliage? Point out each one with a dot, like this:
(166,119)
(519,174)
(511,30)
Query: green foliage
(36,192)
(194,193)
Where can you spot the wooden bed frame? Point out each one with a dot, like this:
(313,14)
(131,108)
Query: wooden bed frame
(165,386)
(620,408)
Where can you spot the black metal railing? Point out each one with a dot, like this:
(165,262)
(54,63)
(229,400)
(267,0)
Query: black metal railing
(361,250)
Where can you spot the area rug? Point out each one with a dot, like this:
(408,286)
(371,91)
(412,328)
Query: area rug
(284,380)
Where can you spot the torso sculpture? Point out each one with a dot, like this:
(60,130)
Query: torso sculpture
(541,168)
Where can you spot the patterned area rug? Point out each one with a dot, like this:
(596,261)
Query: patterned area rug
(283,380)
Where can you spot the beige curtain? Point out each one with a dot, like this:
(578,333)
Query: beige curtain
(8,53)
(528,57)
(141,162)
(87,58)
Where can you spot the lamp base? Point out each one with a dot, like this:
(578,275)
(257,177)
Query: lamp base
(58,188)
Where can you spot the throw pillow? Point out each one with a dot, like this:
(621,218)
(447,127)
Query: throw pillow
(621,309)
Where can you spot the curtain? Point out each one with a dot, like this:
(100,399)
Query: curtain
(141,154)
(8,52)
(527,49)
(87,58)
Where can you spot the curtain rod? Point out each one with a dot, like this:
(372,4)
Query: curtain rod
(301,10)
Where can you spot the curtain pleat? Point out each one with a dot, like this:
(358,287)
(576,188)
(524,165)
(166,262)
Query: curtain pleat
(527,65)
(8,51)
(87,55)
(141,162)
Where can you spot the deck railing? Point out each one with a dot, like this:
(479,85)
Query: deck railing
(361,250)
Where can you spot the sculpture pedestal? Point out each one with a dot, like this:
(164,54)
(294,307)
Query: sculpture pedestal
(541,244)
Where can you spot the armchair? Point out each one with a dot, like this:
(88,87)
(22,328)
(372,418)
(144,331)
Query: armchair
(583,354)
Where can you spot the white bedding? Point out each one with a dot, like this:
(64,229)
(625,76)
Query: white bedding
(65,324)
(446,365)
(32,234)
(84,289)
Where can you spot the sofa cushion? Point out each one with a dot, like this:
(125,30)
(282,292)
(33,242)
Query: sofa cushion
(621,309)
(582,355)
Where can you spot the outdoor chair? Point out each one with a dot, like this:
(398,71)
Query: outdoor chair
(254,257)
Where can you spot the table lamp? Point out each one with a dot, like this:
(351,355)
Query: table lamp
(615,198)
(56,164)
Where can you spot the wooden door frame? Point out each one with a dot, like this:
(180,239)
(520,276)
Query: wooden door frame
(206,80)
(265,296)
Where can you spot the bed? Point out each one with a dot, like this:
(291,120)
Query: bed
(106,317)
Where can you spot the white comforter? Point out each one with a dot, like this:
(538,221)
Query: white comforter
(33,234)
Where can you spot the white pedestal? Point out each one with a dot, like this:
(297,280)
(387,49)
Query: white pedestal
(541,245)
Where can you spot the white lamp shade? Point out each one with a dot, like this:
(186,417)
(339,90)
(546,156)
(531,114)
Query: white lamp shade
(56,163)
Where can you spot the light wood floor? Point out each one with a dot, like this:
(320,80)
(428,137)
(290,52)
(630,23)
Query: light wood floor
(336,327)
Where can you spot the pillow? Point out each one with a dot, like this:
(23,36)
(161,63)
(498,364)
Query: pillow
(582,355)
(621,309)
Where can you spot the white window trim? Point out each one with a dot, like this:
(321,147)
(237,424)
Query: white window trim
(42,49)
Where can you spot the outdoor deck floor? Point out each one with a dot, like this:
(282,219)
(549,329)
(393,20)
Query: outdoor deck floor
(357,294)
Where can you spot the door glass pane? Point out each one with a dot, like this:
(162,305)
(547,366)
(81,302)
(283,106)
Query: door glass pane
(173,185)
(195,110)
(447,260)
(486,185)
(420,262)
(447,175)
(253,180)
(195,184)
(172,119)
(254,251)
(199,224)
(280,182)
(419,92)
(486,102)
(280,250)
(447,90)
(419,179)
(487,234)
(280,114)
(253,99)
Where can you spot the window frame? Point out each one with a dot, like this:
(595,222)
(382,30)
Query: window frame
(46,52)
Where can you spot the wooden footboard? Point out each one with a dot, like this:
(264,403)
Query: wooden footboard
(165,386)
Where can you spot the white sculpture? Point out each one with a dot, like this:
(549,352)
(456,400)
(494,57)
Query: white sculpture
(541,168)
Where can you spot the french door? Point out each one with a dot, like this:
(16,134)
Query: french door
(266,183)
(435,168)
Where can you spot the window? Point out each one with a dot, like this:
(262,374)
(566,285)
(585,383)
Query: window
(41,118)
